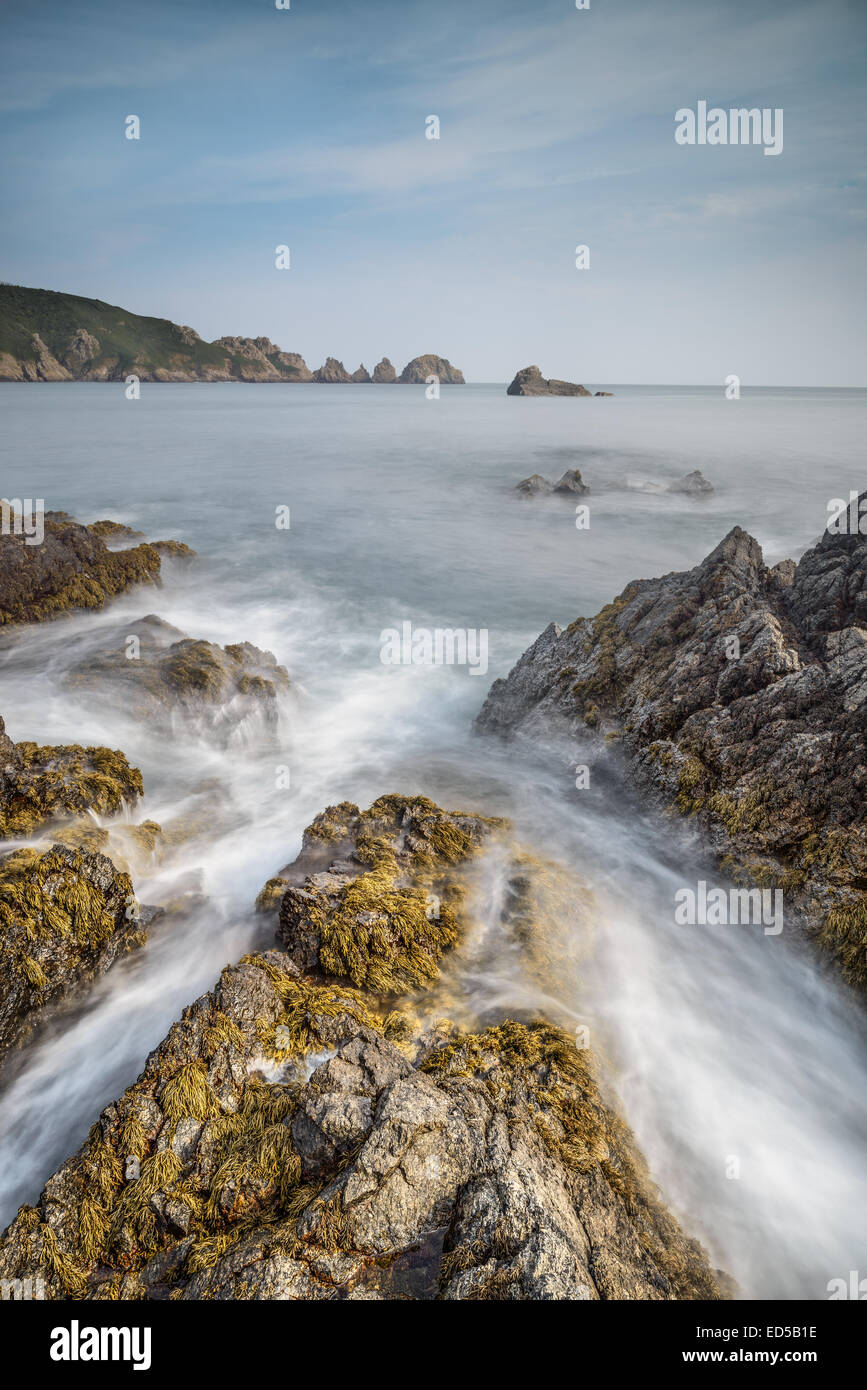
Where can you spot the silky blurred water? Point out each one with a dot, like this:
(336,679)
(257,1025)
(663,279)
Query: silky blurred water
(721,1043)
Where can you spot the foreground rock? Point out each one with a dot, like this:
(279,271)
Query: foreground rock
(529,381)
(71,568)
(740,694)
(293,1138)
(40,785)
(167,673)
(537,486)
(419,369)
(65,917)
(373,897)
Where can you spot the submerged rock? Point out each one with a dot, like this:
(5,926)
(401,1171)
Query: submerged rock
(71,568)
(166,671)
(292,1139)
(740,693)
(65,917)
(537,486)
(534,486)
(420,368)
(41,784)
(529,381)
(693,484)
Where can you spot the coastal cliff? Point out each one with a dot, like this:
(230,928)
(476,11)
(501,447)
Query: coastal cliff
(47,336)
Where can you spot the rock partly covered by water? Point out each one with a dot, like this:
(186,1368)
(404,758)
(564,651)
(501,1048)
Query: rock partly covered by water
(65,917)
(43,784)
(373,898)
(296,1138)
(537,486)
(693,484)
(154,671)
(420,368)
(384,372)
(740,694)
(71,567)
(529,381)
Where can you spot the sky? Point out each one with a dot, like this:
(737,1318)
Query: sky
(306,127)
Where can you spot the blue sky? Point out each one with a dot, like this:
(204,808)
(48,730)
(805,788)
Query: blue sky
(306,127)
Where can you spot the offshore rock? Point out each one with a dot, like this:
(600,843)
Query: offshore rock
(529,381)
(419,369)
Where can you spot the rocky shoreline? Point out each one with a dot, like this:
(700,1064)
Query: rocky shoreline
(317,1126)
(313,1127)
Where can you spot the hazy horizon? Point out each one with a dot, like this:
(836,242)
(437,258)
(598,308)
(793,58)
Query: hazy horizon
(262,127)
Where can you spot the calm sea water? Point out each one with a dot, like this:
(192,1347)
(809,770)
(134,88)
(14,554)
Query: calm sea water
(721,1044)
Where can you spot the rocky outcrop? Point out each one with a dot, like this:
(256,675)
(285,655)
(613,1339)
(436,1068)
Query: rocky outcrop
(332,372)
(603,393)
(40,785)
(536,486)
(740,697)
(297,1139)
(529,381)
(692,484)
(71,568)
(361,374)
(419,369)
(65,917)
(384,372)
(157,673)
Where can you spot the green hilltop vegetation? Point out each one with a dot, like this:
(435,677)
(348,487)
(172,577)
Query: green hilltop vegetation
(47,336)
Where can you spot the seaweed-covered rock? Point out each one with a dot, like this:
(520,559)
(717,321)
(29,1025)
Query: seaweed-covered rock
(157,671)
(65,917)
(740,693)
(41,784)
(71,568)
(374,896)
(278,1146)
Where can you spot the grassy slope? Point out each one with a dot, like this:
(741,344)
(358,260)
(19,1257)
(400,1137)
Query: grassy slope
(122,335)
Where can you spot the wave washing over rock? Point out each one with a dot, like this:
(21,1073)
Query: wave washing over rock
(739,696)
(295,1136)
